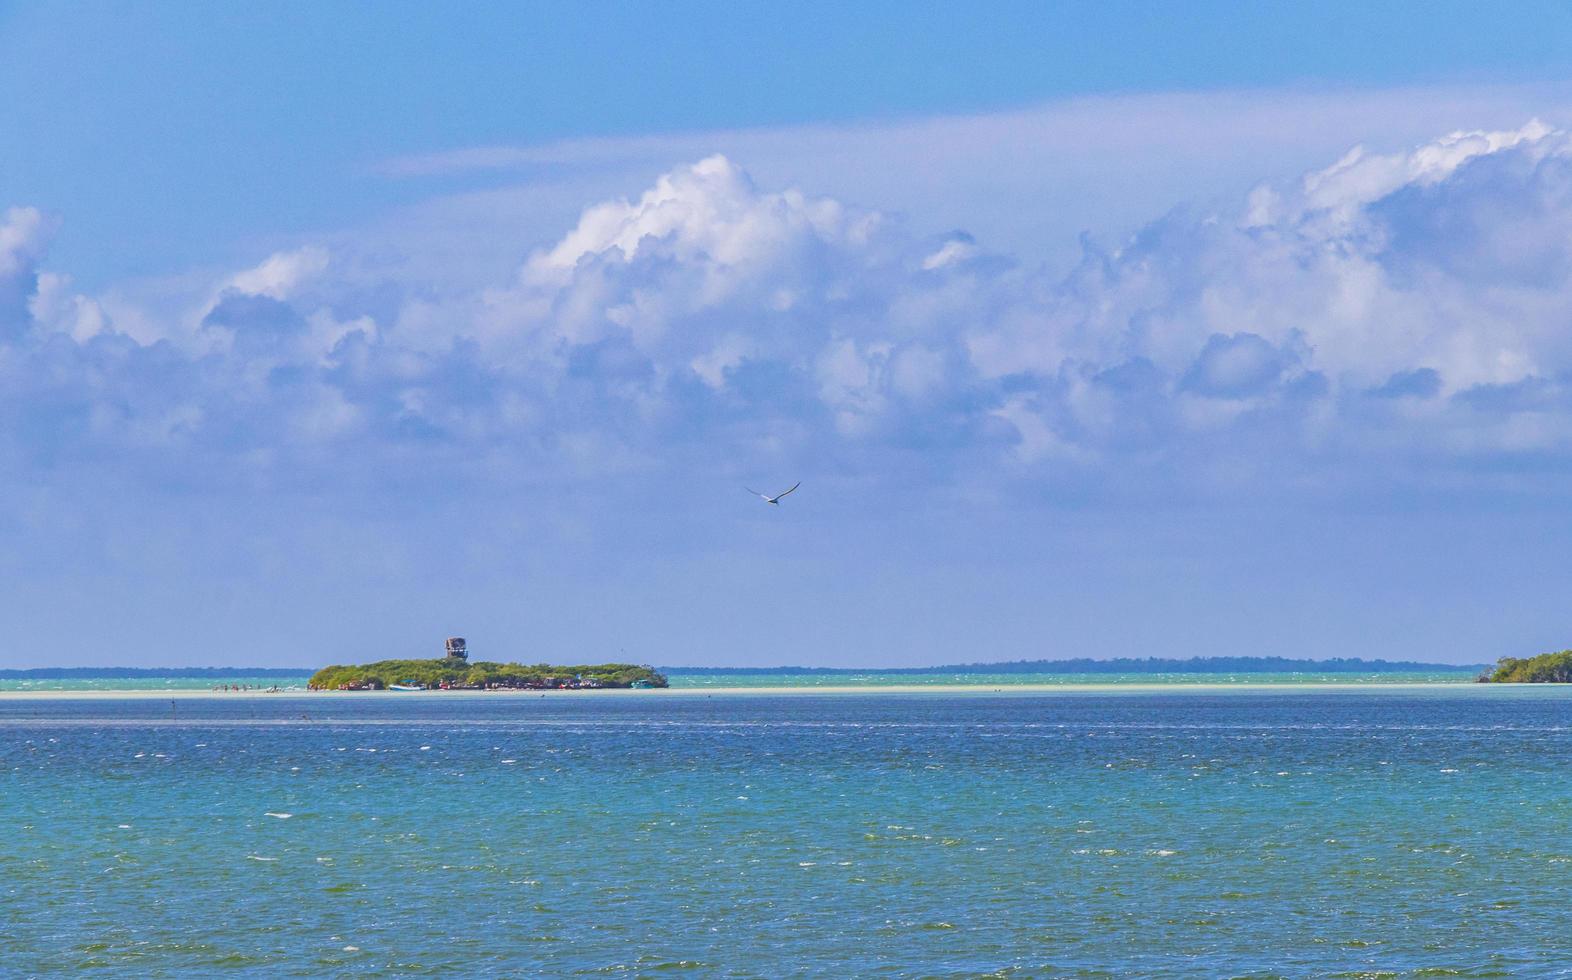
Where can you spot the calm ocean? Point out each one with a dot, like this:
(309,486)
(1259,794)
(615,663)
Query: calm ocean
(1359,832)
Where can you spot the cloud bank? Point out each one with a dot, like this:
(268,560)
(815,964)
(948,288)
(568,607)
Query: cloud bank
(1396,317)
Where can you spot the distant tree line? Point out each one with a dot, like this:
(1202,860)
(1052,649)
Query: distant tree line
(62,673)
(1123,665)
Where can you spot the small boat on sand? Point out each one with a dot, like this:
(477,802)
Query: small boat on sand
(406,686)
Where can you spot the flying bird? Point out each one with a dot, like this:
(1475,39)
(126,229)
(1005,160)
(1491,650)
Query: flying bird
(775,499)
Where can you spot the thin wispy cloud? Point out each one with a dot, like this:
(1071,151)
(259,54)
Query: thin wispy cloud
(1177,120)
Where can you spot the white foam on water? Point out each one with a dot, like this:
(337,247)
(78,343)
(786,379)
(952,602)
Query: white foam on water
(280,816)
(257,857)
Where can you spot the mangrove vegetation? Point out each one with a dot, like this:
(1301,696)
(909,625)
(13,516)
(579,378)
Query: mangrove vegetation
(1547,668)
(452,673)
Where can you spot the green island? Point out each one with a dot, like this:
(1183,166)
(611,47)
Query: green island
(457,674)
(1547,668)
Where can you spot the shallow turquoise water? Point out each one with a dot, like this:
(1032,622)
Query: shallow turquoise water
(1355,832)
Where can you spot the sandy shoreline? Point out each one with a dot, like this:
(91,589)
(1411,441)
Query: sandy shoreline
(690,692)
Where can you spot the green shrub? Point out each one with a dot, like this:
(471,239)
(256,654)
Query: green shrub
(1547,668)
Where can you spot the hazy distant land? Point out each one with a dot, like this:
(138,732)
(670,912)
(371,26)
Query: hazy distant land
(72,673)
(1078,665)
(1123,665)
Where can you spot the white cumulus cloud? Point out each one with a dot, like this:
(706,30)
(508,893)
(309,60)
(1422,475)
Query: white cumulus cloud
(1389,307)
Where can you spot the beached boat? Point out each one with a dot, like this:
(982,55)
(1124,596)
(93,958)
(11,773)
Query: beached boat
(407,686)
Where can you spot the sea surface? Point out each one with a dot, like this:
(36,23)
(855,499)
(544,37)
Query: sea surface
(1363,831)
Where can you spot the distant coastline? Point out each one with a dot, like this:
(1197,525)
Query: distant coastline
(1123,665)
(996,670)
(72,673)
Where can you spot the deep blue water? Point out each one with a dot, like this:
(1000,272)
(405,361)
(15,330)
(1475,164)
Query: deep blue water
(1357,832)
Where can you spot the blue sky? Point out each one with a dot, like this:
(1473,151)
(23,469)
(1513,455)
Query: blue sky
(1103,329)
(171,133)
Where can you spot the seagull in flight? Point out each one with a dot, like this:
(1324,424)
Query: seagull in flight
(775,499)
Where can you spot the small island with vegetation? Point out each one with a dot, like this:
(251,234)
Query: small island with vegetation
(1547,668)
(456,674)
